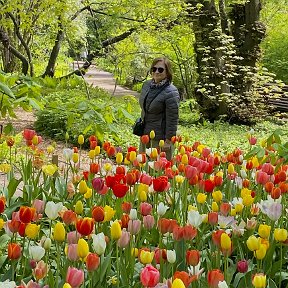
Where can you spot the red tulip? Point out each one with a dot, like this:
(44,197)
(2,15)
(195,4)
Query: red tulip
(209,185)
(160,254)
(189,232)
(92,262)
(10,141)
(262,177)
(126,207)
(124,221)
(225,208)
(275,193)
(131,178)
(145,139)
(69,217)
(26,214)
(94,168)
(98,213)
(216,237)
(14,225)
(85,226)
(184,276)
(2,204)
(145,208)
(111,151)
(192,257)
(242,266)
(28,134)
(149,276)
(214,277)
(213,218)
(120,170)
(14,251)
(160,183)
(120,190)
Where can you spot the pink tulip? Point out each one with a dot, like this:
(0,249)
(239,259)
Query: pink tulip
(145,208)
(149,276)
(148,222)
(124,239)
(145,179)
(39,205)
(242,266)
(40,270)
(73,237)
(134,226)
(262,177)
(190,171)
(268,168)
(28,134)
(75,277)
(72,254)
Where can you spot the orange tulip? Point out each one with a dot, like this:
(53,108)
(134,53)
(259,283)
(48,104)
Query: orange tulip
(85,226)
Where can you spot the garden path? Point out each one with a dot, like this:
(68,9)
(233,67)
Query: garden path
(94,77)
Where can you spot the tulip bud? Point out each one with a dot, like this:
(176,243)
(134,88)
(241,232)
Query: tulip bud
(75,157)
(242,266)
(280,234)
(152,134)
(79,207)
(161,143)
(91,154)
(81,139)
(171,256)
(83,187)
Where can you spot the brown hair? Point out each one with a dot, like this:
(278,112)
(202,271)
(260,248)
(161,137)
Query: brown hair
(167,66)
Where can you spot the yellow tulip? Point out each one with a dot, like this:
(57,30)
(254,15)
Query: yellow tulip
(154,153)
(215,207)
(107,167)
(78,207)
(245,192)
(50,149)
(233,212)
(259,280)
(280,234)
(178,283)
(217,196)
(142,195)
(119,158)
(200,148)
(182,150)
(67,285)
(179,179)
(49,169)
(152,134)
(261,252)
(59,232)
(225,241)
(220,173)
(82,187)
(264,231)
(88,194)
(161,143)
(231,168)
(97,150)
(133,156)
(5,168)
(116,231)
(134,252)
(2,222)
(92,154)
(239,207)
(81,139)
(143,187)
(32,230)
(184,159)
(82,248)
(109,213)
(255,162)
(201,198)
(126,161)
(253,243)
(248,200)
(75,157)
(146,257)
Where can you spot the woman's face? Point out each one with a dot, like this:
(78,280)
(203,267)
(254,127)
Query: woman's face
(159,72)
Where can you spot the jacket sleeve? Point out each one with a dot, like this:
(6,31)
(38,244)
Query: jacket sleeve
(172,113)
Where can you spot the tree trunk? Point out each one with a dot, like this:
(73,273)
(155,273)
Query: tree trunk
(50,69)
(223,17)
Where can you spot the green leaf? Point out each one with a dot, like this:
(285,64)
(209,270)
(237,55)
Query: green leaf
(12,186)
(6,90)
(271,284)
(104,265)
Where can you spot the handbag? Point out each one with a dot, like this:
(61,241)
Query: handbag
(139,125)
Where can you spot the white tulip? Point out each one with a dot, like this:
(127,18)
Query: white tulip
(133,214)
(161,209)
(195,218)
(36,252)
(99,243)
(222,284)
(68,153)
(171,256)
(52,209)
(8,284)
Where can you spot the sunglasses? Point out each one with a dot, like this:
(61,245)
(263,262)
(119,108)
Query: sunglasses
(160,69)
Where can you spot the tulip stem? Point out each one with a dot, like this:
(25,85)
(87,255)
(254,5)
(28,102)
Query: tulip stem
(281,257)
(117,265)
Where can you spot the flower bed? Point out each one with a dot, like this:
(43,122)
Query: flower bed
(138,220)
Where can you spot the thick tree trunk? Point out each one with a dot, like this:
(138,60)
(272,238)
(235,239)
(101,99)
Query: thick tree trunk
(4,38)
(50,69)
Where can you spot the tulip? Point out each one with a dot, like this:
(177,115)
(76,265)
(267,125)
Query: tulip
(2,204)
(213,218)
(201,198)
(85,226)
(148,222)
(171,256)
(123,241)
(115,230)
(261,252)
(280,235)
(99,243)
(72,253)
(145,208)
(59,232)
(161,209)
(152,134)
(81,139)
(242,266)
(253,243)
(92,262)
(41,270)
(259,280)
(264,231)
(39,205)
(194,218)
(52,210)
(184,277)
(192,257)
(178,283)
(82,187)
(69,217)
(73,237)
(109,213)
(146,257)
(160,184)
(82,248)
(32,230)
(36,252)
(75,277)
(149,276)
(119,158)
(49,169)
(26,214)
(214,277)
(134,226)
(14,251)
(98,213)
(225,241)
(120,190)
(79,207)
(75,158)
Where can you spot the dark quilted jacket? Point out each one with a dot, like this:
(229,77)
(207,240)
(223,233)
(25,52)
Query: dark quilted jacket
(163,113)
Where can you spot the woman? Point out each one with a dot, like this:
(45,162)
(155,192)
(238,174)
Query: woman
(159,101)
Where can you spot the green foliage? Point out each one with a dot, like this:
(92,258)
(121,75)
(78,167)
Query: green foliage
(18,91)
(70,111)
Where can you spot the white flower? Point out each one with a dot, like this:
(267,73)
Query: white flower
(36,252)
(68,153)
(8,284)
(133,214)
(148,151)
(161,209)
(222,284)
(224,222)
(243,174)
(52,209)
(171,256)
(195,218)
(99,243)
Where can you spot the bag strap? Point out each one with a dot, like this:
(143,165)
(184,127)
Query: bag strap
(145,99)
